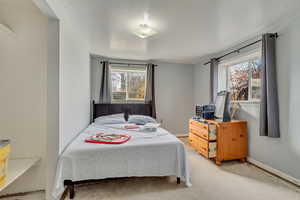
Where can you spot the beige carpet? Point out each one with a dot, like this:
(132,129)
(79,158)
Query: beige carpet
(232,181)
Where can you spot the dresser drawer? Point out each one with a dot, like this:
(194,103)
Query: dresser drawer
(193,140)
(199,124)
(206,148)
(199,131)
(206,131)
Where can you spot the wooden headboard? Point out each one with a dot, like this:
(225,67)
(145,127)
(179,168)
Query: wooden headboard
(102,109)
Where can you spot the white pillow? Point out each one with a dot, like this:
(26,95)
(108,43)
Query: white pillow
(140,119)
(111,119)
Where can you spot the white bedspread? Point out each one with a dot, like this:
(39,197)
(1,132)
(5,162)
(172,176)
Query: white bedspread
(145,154)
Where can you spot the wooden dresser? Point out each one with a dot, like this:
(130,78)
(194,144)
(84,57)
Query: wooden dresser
(219,140)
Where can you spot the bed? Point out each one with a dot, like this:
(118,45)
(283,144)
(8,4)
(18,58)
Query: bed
(146,154)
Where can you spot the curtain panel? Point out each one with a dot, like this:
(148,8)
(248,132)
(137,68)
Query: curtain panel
(105,88)
(269,107)
(150,88)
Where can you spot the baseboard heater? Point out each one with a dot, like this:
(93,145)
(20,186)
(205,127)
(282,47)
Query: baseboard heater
(273,171)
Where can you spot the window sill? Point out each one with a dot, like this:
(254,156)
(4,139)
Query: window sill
(247,102)
(128,102)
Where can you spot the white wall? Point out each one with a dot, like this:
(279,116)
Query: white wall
(74,84)
(174,96)
(173,90)
(201,84)
(23,88)
(284,153)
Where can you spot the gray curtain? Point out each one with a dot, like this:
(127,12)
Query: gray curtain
(150,88)
(213,79)
(105,89)
(269,108)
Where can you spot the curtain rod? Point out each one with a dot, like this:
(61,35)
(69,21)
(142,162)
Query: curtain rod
(119,63)
(238,50)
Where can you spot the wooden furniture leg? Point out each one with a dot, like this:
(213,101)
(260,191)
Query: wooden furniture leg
(178,180)
(70,188)
(218,162)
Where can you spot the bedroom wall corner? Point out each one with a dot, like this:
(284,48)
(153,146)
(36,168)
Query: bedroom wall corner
(52,104)
(68,82)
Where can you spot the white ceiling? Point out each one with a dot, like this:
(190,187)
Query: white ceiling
(187,29)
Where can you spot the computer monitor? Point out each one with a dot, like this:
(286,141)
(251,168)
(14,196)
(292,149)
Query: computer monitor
(222,102)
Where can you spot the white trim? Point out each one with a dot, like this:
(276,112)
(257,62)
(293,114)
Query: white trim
(114,69)
(246,102)
(274,171)
(45,8)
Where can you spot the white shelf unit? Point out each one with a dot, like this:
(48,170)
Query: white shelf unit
(17,167)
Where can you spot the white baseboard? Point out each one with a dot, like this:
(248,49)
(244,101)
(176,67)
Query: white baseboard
(274,171)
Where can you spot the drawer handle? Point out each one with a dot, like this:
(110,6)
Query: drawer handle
(204,148)
(241,135)
(197,136)
(196,130)
(233,139)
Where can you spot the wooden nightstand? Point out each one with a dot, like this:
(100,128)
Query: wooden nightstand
(219,140)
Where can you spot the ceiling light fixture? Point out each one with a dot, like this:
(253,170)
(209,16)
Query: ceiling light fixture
(144,30)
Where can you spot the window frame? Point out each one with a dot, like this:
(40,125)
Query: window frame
(245,57)
(126,69)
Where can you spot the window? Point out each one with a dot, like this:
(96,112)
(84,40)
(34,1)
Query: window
(242,78)
(128,84)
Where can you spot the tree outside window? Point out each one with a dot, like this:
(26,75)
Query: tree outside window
(128,85)
(241,77)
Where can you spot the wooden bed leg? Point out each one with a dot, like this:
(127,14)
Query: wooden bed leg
(72,191)
(70,188)
(178,180)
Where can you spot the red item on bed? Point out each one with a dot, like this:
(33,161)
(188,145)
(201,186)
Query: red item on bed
(102,138)
(131,126)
